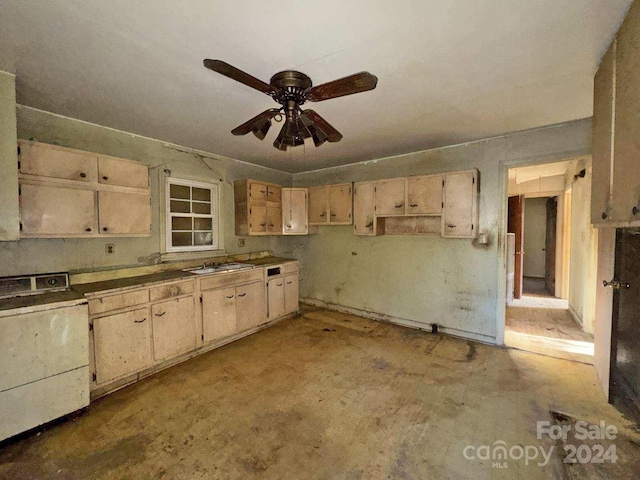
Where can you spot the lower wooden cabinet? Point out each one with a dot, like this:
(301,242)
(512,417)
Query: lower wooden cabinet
(291,293)
(218,314)
(250,305)
(122,344)
(174,328)
(275,292)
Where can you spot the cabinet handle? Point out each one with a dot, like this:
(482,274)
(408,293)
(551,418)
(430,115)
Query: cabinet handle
(262,191)
(87,229)
(140,321)
(271,225)
(242,294)
(278,284)
(368,225)
(450,225)
(400,205)
(83,175)
(230,296)
(262,224)
(604,215)
(289,283)
(323,214)
(104,229)
(634,210)
(160,314)
(413,205)
(334,214)
(105,178)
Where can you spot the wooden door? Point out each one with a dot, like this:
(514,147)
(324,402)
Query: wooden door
(602,132)
(626,178)
(550,246)
(424,195)
(257,219)
(122,344)
(219,314)
(174,328)
(57,162)
(274,219)
(125,173)
(460,197)
(251,309)
(318,206)
(516,226)
(625,342)
(56,211)
(363,209)
(294,211)
(257,192)
(275,290)
(389,195)
(274,194)
(124,213)
(291,293)
(340,204)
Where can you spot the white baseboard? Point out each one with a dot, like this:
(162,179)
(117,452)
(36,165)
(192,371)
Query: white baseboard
(576,317)
(405,322)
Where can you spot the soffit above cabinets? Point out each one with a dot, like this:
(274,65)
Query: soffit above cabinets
(449,72)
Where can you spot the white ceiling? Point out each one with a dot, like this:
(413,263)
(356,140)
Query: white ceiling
(449,71)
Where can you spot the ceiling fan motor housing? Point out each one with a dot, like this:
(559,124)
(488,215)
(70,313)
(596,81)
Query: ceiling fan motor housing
(292,85)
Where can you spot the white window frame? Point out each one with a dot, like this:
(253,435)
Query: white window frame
(215,215)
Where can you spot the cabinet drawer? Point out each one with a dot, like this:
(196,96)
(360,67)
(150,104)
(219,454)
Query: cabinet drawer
(172,290)
(229,279)
(118,301)
(290,267)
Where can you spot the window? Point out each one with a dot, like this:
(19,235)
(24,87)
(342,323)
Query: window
(191,216)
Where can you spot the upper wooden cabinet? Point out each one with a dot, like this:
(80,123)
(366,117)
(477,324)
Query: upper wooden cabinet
(460,212)
(330,205)
(294,211)
(364,218)
(258,208)
(390,197)
(424,195)
(615,197)
(71,193)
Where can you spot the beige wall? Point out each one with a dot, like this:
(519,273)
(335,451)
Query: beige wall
(49,255)
(9,224)
(535,232)
(427,279)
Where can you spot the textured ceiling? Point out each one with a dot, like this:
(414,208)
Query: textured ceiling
(449,71)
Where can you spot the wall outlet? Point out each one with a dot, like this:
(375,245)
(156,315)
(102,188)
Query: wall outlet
(241,242)
(109,248)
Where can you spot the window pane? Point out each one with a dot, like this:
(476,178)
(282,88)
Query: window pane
(179,207)
(179,191)
(203,238)
(181,239)
(203,194)
(202,224)
(181,223)
(204,208)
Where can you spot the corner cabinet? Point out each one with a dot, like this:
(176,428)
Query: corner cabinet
(615,198)
(295,211)
(67,193)
(258,208)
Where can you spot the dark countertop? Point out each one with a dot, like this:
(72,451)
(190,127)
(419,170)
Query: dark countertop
(39,299)
(129,282)
(261,262)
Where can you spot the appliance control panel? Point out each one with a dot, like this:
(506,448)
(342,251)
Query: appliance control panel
(33,284)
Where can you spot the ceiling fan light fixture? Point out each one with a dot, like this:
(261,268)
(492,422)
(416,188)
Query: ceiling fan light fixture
(260,130)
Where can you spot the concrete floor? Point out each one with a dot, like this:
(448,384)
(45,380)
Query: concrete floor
(324,396)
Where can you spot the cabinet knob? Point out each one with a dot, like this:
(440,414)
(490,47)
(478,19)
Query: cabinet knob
(634,210)
(323,214)
(83,175)
(400,205)
(604,215)
(87,229)
(105,178)
(450,225)
(334,214)
(104,229)
(262,224)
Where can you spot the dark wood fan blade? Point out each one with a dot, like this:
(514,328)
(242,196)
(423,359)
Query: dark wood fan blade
(331,133)
(238,75)
(356,83)
(256,122)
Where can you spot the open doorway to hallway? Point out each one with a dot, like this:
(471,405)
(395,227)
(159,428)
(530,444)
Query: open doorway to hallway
(552,260)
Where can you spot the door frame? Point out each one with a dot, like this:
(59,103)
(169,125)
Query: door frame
(504,167)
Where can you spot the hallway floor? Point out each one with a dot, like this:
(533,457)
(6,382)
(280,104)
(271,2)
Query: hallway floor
(330,396)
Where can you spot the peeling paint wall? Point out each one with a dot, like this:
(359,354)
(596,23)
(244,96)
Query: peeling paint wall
(50,255)
(426,279)
(9,225)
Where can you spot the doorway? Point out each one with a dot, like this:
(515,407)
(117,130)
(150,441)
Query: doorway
(540,316)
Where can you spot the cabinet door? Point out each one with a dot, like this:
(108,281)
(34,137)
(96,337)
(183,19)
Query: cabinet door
(274,219)
(251,307)
(174,328)
(424,195)
(258,219)
(460,216)
(274,194)
(294,211)
(363,209)
(122,344)
(124,213)
(318,206)
(626,179)
(602,131)
(116,171)
(257,192)
(291,293)
(275,290)
(390,197)
(340,204)
(56,211)
(219,314)
(57,162)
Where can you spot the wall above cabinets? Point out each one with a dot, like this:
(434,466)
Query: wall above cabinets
(66,193)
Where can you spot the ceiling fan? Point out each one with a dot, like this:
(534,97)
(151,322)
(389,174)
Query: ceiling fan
(291,89)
